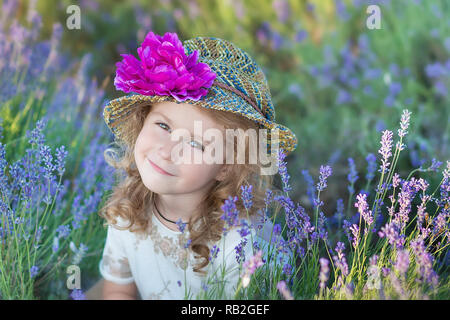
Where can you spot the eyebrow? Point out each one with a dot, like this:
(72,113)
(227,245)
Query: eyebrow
(206,142)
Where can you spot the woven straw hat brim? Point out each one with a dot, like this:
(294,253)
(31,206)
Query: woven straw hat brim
(115,113)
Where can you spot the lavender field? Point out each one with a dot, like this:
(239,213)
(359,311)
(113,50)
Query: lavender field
(363,202)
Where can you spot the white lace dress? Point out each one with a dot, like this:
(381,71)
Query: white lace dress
(160,265)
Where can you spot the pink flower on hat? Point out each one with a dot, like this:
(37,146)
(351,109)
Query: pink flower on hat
(164,69)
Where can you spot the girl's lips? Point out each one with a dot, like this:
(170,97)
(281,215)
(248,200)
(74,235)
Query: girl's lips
(158,168)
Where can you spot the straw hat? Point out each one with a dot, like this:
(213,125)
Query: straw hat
(224,78)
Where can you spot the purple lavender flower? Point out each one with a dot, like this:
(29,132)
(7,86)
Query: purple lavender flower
(34,270)
(256,245)
(339,211)
(395,88)
(284,291)
(341,10)
(277,229)
(46,156)
(343,97)
(323,234)
(314,236)
(9,7)
(253,263)
(246,194)
(446,172)
(422,184)
(346,226)
(36,137)
(421,210)
(396,180)
(37,237)
(317,203)
(55,245)
(441,88)
(340,247)
(405,197)
(444,190)
(282,171)
(240,250)
(352,176)
(181,225)
(397,285)
(392,232)
(435,70)
(372,73)
(402,263)
(244,230)
(264,33)
(424,261)
(77,294)
(385,150)
(440,222)
(231,213)
(355,231)
(63,231)
(187,244)
(282,10)
(287,269)
(363,208)
(289,208)
(394,69)
(277,40)
(301,35)
(214,251)
(324,269)
(269,197)
(4,184)
(35,20)
(340,260)
(435,164)
(371,166)
(61,155)
(310,190)
(300,252)
(325,172)
(296,90)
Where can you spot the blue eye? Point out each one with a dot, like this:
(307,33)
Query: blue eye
(200,146)
(158,123)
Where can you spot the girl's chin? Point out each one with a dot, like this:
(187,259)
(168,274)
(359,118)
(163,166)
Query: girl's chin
(156,183)
(154,187)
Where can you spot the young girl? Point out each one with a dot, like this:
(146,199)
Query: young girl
(175,227)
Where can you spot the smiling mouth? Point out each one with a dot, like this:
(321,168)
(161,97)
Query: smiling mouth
(158,169)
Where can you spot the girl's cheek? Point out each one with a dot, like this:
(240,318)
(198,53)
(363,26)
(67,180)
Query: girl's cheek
(151,134)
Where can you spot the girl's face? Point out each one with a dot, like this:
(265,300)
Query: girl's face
(165,171)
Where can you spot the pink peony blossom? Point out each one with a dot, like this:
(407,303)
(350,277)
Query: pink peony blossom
(164,69)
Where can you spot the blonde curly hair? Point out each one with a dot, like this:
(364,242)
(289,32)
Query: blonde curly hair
(130,198)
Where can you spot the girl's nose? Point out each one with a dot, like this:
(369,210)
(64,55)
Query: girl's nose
(166,148)
(177,151)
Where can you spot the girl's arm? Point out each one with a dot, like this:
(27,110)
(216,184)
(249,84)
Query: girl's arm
(113,291)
